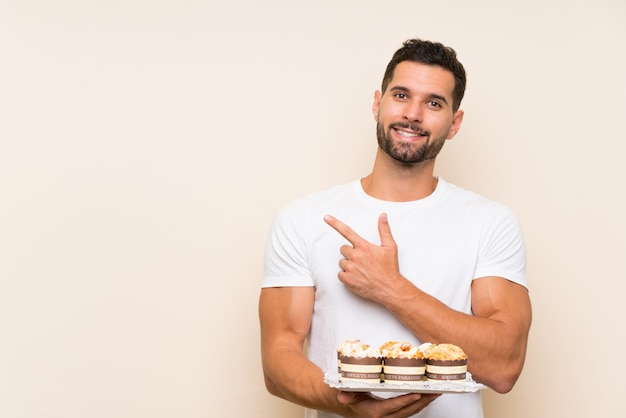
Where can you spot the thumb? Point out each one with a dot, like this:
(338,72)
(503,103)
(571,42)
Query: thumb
(384,230)
(346,397)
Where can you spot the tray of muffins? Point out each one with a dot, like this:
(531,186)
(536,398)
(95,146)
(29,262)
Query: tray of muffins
(401,367)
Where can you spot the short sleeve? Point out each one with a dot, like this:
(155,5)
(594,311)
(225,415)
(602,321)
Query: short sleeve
(502,247)
(286,251)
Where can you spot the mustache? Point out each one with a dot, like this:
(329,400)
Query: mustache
(411,126)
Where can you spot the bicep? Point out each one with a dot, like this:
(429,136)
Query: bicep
(502,300)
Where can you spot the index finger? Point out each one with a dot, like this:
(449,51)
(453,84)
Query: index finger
(347,232)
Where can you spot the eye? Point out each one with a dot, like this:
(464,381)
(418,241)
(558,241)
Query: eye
(434,104)
(401,96)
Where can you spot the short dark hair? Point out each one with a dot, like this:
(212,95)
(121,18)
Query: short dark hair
(430,53)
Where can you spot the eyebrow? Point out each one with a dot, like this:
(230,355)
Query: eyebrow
(406,90)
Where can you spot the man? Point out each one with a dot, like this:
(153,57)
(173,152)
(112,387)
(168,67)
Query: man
(397,255)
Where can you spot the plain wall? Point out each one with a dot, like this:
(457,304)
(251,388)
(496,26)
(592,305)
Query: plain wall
(145,148)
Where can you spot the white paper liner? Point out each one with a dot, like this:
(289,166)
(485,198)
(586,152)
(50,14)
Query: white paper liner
(424,386)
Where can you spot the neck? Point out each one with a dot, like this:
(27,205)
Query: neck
(393,181)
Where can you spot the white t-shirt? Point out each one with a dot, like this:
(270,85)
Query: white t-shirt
(445,241)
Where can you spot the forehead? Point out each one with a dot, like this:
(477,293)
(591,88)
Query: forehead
(422,78)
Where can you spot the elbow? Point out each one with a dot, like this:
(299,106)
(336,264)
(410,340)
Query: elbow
(270,386)
(503,386)
(505,380)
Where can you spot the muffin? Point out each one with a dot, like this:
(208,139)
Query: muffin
(402,363)
(446,362)
(358,361)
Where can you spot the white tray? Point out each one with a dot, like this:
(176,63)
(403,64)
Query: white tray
(426,386)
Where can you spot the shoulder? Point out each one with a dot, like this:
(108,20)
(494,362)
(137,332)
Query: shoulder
(467,200)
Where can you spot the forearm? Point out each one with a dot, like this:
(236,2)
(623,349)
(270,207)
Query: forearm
(285,317)
(291,376)
(495,343)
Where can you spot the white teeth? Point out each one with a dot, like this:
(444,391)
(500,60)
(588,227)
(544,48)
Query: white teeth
(406,134)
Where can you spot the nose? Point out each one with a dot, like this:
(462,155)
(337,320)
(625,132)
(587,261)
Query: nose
(413,112)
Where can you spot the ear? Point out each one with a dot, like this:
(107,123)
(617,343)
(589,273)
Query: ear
(376,104)
(456,124)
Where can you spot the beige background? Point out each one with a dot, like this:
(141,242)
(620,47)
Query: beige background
(145,147)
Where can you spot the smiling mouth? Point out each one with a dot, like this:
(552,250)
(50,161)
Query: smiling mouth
(407,133)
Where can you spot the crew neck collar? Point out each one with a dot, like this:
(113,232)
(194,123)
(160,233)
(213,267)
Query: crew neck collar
(433,197)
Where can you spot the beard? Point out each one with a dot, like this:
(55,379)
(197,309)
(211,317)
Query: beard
(409,152)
